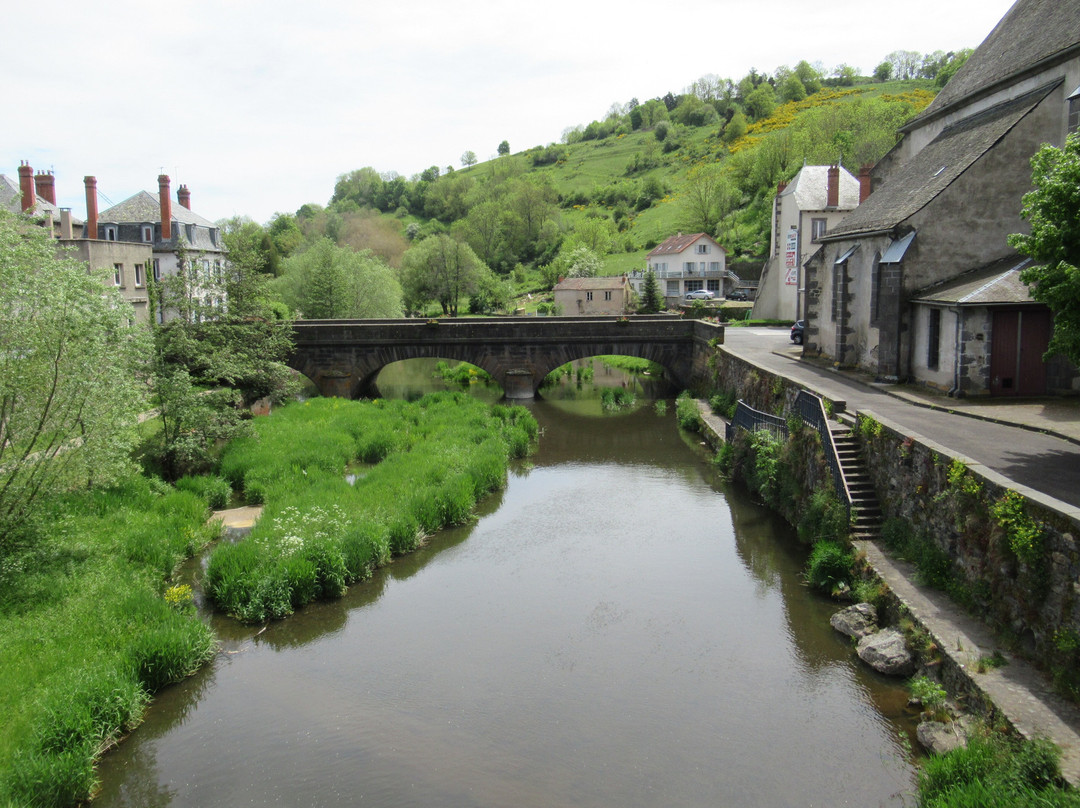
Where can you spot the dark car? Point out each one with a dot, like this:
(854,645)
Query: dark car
(797,332)
(738,294)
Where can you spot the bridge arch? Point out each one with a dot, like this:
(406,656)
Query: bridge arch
(343,357)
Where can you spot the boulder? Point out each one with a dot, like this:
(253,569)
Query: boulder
(855,621)
(938,737)
(887,652)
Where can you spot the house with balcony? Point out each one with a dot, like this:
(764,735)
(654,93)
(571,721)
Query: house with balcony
(683,264)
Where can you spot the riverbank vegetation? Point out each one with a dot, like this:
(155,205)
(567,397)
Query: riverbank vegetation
(415,467)
(88,631)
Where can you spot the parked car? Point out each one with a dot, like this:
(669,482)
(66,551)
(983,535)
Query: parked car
(700,294)
(797,332)
(738,294)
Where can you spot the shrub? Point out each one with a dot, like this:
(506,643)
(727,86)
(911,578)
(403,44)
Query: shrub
(215,490)
(824,518)
(687,413)
(830,567)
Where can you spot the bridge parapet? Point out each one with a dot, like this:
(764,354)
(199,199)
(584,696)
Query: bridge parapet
(343,357)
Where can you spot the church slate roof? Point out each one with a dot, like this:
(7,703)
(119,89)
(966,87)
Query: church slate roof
(916,183)
(1031,33)
(994,284)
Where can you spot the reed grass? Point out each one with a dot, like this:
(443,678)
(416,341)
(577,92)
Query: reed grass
(433,460)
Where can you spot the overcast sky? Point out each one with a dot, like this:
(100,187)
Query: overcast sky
(258,106)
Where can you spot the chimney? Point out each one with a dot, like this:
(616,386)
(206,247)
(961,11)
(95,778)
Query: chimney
(183,196)
(864,182)
(90,230)
(26,185)
(65,224)
(780,188)
(166,207)
(832,199)
(46,186)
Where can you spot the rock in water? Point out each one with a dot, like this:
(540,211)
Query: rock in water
(855,621)
(887,652)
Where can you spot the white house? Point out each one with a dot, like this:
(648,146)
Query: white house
(805,209)
(685,263)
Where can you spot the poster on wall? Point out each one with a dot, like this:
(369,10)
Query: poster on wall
(791,257)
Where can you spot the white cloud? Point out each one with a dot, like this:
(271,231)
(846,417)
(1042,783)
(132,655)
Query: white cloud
(258,106)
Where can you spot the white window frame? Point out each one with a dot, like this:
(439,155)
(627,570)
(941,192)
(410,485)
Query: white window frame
(148,233)
(139,276)
(118,275)
(110,232)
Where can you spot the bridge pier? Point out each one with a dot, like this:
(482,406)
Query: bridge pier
(518,384)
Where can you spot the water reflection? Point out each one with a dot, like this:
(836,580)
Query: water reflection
(616,628)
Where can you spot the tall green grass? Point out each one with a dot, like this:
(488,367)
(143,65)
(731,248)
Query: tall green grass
(86,635)
(432,461)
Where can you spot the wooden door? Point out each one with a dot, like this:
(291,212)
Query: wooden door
(1017,345)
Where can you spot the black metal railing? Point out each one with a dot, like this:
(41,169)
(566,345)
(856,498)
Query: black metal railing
(746,417)
(811,410)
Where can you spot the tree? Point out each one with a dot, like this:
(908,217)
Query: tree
(651,300)
(1053,211)
(883,72)
(948,70)
(708,196)
(442,269)
(331,282)
(504,148)
(761,102)
(69,374)
(468,158)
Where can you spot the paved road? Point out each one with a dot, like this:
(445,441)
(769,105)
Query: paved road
(1042,462)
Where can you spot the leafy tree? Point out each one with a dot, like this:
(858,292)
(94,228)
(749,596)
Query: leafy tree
(736,127)
(576,262)
(1053,212)
(651,300)
(442,269)
(504,148)
(286,233)
(468,158)
(809,76)
(791,89)
(331,282)
(69,374)
(708,196)
(761,102)
(948,70)
(883,72)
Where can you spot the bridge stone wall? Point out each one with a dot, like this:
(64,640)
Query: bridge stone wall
(343,357)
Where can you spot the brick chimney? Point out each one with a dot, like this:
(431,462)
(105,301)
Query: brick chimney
(166,207)
(90,230)
(832,195)
(26,185)
(46,186)
(780,188)
(183,196)
(864,182)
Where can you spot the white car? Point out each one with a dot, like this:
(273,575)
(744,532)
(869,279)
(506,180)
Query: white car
(700,294)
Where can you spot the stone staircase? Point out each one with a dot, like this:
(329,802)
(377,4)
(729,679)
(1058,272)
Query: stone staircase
(864,501)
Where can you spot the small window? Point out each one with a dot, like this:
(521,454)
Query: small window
(147,233)
(588,295)
(110,233)
(689,267)
(933,339)
(703,249)
(118,275)
(139,279)
(714,266)
(607,295)
(157,270)
(817,228)
(672,288)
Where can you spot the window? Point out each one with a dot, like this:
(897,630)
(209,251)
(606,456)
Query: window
(714,266)
(118,274)
(139,279)
(110,232)
(688,266)
(607,295)
(817,228)
(1074,112)
(693,286)
(157,270)
(147,232)
(713,285)
(933,339)
(702,249)
(672,289)
(588,295)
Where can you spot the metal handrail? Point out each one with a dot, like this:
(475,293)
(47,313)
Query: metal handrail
(746,417)
(811,410)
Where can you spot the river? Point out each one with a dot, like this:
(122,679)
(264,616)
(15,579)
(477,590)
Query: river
(618,628)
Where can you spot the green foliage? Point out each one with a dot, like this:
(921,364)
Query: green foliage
(763,475)
(724,403)
(660,407)
(613,399)
(869,427)
(995,771)
(824,518)
(687,413)
(651,299)
(433,459)
(443,270)
(1052,210)
(327,281)
(1025,534)
(69,365)
(830,567)
(215,490)
(928,692)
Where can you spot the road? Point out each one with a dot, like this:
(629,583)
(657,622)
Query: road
(1043,462)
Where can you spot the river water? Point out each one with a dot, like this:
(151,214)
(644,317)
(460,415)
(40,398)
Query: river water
(618,628)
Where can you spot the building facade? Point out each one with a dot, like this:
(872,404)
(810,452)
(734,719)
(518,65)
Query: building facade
(593,296)
(685,263)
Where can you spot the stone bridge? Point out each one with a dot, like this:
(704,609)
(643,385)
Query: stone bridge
(343,357)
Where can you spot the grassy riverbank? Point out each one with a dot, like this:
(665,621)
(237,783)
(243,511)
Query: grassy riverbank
(415,467)
(87,632)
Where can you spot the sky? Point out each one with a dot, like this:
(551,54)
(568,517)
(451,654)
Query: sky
(259,106)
